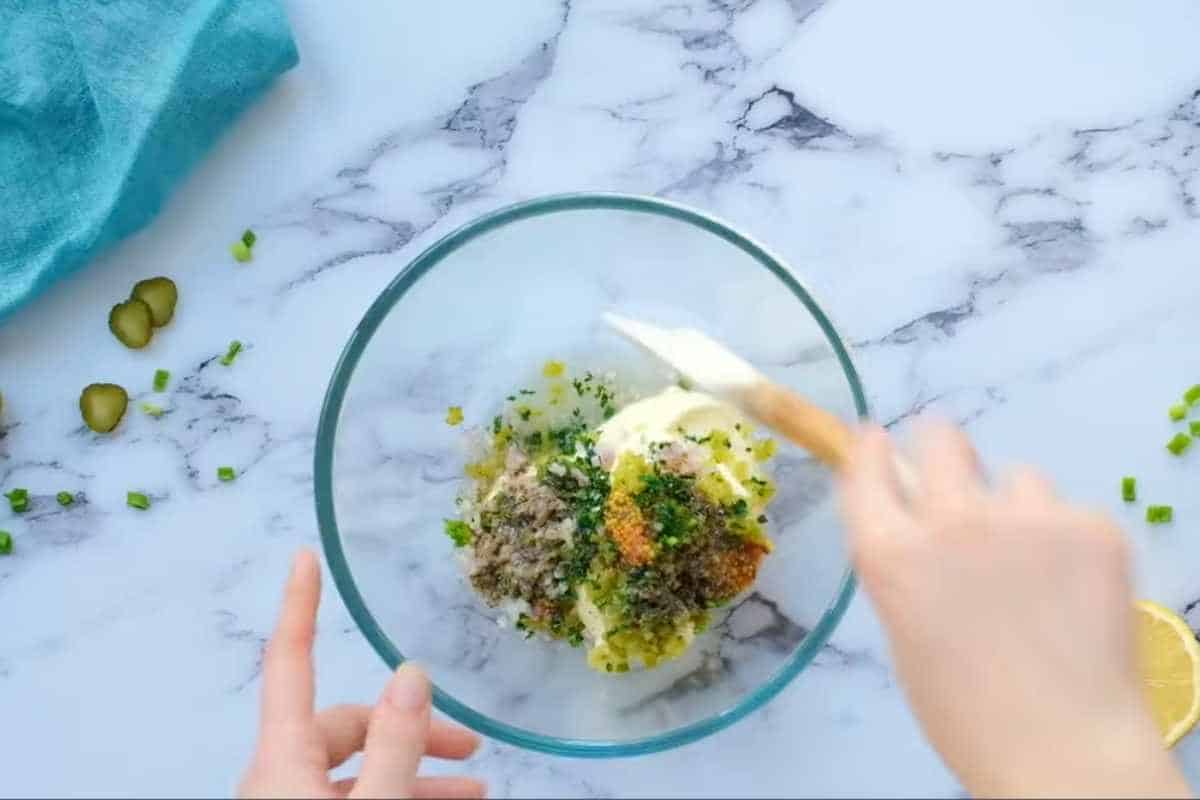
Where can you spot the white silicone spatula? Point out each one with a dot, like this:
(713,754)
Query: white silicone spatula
(716,369)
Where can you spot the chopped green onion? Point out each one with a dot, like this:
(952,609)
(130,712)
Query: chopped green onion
(240,251)
(5,543)
(459,532)
(1157,515)
(1177,412)
(1192,395)
(235,347)
(65,499)
(153,410)
(1129,489)
(248,238)
(1179,442)
(1194,427)
(18,500)
(137,500)
(226,474)
(161,377)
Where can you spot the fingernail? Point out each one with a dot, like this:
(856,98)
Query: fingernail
(409,690)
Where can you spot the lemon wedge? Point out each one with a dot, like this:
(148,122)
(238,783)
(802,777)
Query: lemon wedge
(1170,664)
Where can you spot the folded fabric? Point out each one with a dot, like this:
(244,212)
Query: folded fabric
(104,106)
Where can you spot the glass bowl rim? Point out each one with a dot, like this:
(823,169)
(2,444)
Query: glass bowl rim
(327,434)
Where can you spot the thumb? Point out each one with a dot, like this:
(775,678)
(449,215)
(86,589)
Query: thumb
(396,737)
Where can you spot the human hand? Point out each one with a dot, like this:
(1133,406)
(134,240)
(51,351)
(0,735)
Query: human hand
(1011,624)
(297,746)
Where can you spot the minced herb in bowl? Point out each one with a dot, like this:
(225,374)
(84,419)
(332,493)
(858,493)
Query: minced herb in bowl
(613,522)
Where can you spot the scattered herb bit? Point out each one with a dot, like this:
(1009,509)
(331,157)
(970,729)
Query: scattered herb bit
(160,295)
(1156,515)
(1192,395)
(1177,412)
(454,415)
(102,406)
(762,519)
(132,322)
(226,474)
(459,532)
(5,543)
(18,500)
(554,369)
(248,238)
(137,500)
(1179,442)
(161,379)
(1194,427)
(740,507)
(235,347)
(497,424)
(65,499)
(240,251)
(152,410)
(1129,489)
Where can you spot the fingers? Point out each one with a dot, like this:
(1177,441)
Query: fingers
(949,468)
(453,786)
(344,729)
(396,737)
(287,666)
(1028,487)
(871,494)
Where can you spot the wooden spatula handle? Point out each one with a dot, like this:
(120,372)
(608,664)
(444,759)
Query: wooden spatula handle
(805,424)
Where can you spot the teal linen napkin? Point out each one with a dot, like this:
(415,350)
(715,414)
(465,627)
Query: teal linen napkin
(104,107)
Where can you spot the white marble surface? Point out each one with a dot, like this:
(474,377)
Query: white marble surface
(996,200)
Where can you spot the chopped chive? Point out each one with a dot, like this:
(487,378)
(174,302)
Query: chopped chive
(454,415)
(240,251)
(1177,412)
(235,347)
(5,543)
(1156,515)
(161,377)
(1129,489)
(1179,442)
(18,500)
(1194,427)
(459,532)
(153,410)
(1192,395)
(248,238)
(65,499)
(226,474)
(137,500)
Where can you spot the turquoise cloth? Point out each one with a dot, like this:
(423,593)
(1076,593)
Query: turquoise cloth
(104,106)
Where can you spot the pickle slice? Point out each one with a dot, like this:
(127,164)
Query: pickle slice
(161,295)
(132,323)
(102,406)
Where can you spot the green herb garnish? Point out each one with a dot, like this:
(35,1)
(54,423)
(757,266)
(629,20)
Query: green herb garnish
(1177,412)
(65,499)
(5,543)
(226,474)
(152,410)
(248,238)
(1156,515)
(1194,427)
(137,500)
(1192,395)
(459,532)
(1179,442)
(240,251)
(1129,489)
(235,347)
(161,378)
(18,500)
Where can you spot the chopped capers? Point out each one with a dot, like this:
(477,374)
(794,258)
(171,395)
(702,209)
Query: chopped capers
(132,323)
(102,406)
(161,295)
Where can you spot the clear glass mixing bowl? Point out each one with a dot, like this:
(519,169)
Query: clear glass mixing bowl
(464,324)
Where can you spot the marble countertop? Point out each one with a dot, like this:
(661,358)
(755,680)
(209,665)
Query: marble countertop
(998,201)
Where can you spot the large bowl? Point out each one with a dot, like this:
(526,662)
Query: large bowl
(466,323)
